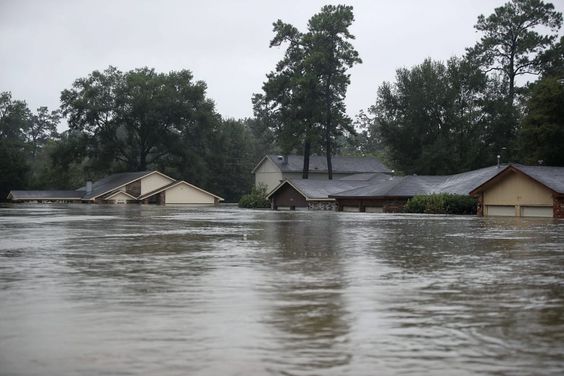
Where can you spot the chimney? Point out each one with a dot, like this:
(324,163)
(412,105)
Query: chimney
(88,186)
(498,161)
(285,159)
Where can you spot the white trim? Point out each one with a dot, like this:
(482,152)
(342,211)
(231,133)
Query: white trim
(131,181)
(261,161)
(269,196)
(118,192)
(167,187)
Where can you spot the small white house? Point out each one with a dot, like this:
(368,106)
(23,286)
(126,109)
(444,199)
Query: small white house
(147,187)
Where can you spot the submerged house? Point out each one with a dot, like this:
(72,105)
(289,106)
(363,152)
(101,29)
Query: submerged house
(147,187)
(392,194)
(512,190)
(274,169)
(522,191)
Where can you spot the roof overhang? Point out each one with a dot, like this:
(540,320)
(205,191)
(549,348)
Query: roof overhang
(129,182)
(120,192)
(282,183)
(501,175)
(260,162)
(174,184)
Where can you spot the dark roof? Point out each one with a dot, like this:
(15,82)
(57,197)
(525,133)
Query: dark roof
(45,195)
(109,183)
(551,177)
(319,189)
(318,164)
(412,185)
(99,187)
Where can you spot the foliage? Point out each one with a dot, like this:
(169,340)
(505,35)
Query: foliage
(22,135)
(442,203)
(135,119)
(256,199)
(431,119)
(541,138)
(303,98)
(511,43)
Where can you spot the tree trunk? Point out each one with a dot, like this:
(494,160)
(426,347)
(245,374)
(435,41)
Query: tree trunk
(328,147)
(328,129)
(307,149)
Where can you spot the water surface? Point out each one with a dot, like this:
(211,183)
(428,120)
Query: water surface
(100,290)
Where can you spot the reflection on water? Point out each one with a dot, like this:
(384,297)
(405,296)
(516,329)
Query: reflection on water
(94,289)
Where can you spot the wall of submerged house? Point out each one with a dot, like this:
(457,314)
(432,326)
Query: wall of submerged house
(134,188)
(323,205)
(156,199)
(371,205)
(288,197)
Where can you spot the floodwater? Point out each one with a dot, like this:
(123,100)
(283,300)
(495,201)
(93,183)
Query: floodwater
(123,290)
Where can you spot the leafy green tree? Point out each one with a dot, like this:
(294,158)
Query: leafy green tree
(541,137)
(42,127)
(552,60)
(14,121)
(291,96)
(330,56)
(135,119)
(304,97)
(511,42)
(431,118)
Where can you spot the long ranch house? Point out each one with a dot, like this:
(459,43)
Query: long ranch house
(146,187)
(274,169)
(511,190)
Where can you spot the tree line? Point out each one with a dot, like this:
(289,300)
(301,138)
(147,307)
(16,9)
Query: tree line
(434,118)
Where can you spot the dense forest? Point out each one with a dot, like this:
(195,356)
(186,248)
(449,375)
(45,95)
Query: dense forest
(438,117)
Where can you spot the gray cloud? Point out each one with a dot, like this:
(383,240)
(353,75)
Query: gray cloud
(45,45)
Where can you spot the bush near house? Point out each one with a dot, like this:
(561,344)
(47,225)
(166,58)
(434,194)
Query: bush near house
(441,203)
(256,199)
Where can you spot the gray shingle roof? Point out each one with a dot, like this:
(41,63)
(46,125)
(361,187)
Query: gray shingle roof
(409,186)
(341,165)
(109,183)
(552,177)
(45,195)
(320,189)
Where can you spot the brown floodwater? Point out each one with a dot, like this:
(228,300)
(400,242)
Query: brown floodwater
(123,290)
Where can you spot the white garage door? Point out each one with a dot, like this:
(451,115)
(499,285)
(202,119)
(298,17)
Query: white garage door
(500,210)
(536,211)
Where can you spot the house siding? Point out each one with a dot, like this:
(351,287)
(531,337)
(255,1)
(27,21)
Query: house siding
(372,205)
(518,191)
(288,196)
(268,174)
(184,194)
(119,197)
(153,182)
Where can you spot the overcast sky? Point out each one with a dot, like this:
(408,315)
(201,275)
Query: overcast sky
(45,45)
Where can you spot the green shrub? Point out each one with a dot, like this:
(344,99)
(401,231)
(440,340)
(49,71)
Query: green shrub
(441,203)
(256,199)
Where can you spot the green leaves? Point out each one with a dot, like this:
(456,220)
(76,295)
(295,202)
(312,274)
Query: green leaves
(137,118)
(511,42)
(303,98)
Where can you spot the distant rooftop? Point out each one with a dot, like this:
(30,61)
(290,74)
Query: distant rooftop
(45,195)
(341,165)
